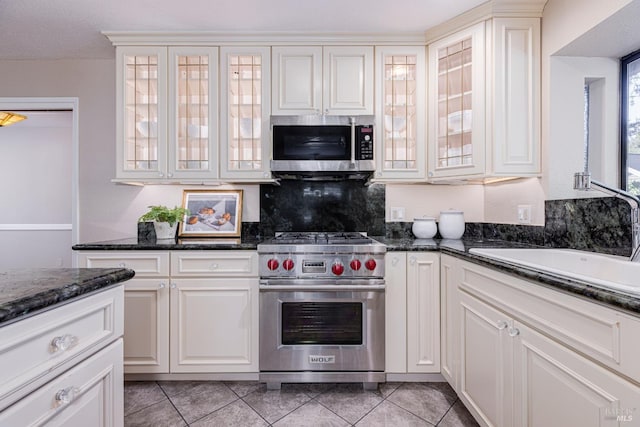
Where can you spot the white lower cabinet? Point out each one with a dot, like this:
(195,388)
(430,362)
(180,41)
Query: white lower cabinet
(187,311)
(531,356)
(90,394)
(412,304)
(146,328)
(63,367)
(214,325)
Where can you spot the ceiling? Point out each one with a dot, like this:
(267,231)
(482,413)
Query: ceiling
(46,29)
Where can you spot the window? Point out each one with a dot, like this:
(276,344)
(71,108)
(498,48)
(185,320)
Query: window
(630,122)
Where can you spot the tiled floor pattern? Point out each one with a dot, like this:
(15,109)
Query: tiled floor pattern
(238,404)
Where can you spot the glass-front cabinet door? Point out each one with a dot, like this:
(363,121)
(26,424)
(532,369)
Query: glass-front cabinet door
(456,107)
(400,113)
(142,101)
(167,113)
(193,112)
(245,104)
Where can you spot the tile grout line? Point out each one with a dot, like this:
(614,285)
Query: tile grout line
(172,404)
(448,410)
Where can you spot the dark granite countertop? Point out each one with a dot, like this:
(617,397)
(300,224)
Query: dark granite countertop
(458,248)
(133,244)
(24,292)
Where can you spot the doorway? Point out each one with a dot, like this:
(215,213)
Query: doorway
(38,184)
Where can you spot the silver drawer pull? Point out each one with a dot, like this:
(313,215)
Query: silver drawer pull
(66,395)
(64,342)
(122,265)
(213,266)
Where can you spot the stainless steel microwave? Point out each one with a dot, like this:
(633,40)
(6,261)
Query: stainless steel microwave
(322,146)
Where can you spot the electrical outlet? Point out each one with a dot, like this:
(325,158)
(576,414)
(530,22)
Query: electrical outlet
(524,214)
(397,214)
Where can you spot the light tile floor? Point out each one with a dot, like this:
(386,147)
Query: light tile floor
(247,403)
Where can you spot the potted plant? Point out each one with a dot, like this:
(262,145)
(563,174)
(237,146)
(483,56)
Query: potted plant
(165,220)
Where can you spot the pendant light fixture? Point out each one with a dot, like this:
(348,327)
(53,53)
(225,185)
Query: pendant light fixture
(7,118)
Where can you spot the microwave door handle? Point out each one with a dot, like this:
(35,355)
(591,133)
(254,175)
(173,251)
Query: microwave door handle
(352,120)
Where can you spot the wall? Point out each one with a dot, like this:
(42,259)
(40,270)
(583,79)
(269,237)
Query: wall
(562,123)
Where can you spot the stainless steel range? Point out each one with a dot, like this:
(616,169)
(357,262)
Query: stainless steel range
(321,309)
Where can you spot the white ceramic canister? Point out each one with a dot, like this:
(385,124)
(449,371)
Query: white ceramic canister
(424,228)
(451,224)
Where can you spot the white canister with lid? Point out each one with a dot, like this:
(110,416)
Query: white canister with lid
(451,224)
(424,228)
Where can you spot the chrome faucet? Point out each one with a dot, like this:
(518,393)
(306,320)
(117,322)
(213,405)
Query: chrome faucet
(583,181)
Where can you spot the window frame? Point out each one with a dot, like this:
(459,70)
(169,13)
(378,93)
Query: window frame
(624,123)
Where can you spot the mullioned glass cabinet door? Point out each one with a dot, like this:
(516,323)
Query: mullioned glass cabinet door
(193,112)
(457,113)
(400,113)
(245,104)
(141,98)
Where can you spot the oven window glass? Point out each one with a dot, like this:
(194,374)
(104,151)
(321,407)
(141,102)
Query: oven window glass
(311,142)
(322,323)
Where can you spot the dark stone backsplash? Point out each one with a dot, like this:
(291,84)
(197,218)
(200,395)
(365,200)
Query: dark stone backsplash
(594,224)
(322,206)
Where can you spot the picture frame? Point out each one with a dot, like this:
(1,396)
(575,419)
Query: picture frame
(212,213)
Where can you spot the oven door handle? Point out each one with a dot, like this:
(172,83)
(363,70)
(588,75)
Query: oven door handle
(321,288)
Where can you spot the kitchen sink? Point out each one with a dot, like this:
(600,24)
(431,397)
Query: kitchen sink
(608,271)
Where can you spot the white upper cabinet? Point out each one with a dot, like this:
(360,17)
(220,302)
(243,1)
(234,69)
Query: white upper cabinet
(193,112)
(484,103)
(141,99)
(457,104)
(400,113)
(335,80)
(167,113)
(245,97)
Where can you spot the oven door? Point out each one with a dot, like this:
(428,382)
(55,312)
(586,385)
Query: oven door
(322,328)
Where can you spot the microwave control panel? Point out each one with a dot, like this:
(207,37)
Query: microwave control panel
(364,139)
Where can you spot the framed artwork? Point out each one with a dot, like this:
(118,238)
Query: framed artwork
(212,213)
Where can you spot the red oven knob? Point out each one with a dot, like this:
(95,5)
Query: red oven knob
(287,264)
(272,264)
(355,264)
(337,268)
(370,264)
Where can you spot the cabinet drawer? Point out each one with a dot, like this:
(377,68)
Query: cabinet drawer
(220,263)
(145,264)
(599,332)
(89,394)
(44,345)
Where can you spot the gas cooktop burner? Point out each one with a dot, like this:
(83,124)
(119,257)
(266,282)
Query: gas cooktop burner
(319,238)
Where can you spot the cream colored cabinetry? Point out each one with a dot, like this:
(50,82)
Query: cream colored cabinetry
(64,367)
(214,311)
(484,105)
(532,356)
(449,325)
(167,110)
(187,311)
(412,321)
(146,306)
(336,80)
(400,109)
(245,99)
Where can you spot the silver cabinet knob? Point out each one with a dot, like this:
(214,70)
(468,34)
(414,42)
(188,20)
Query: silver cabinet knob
(412,260)
(514,332)
(502,324)
(395,261)
(172,286)
(161,286)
